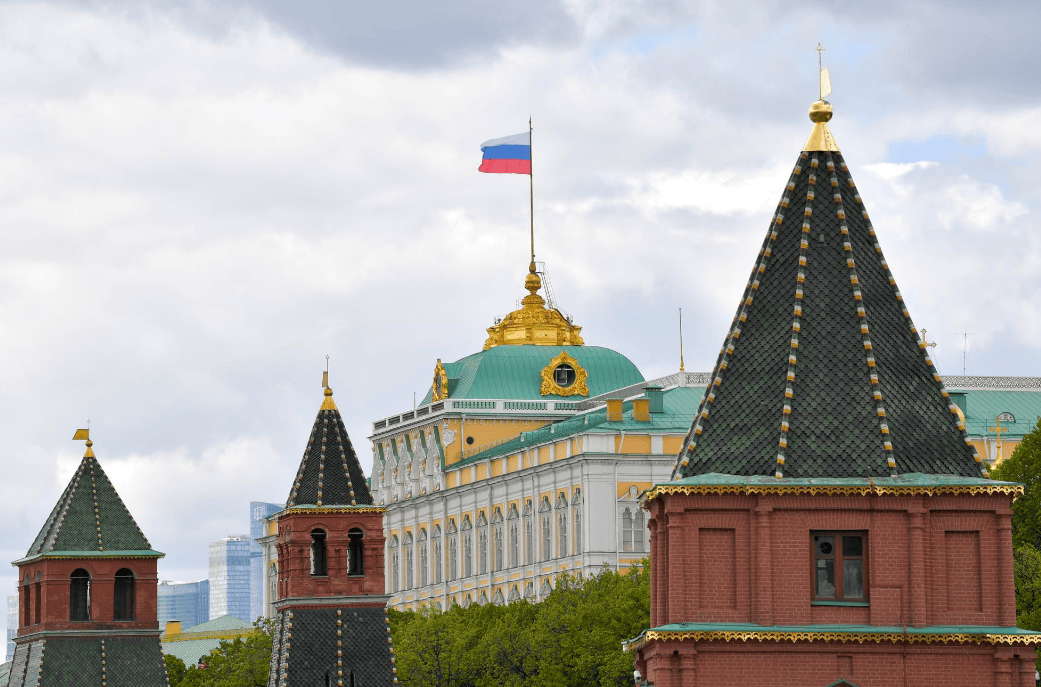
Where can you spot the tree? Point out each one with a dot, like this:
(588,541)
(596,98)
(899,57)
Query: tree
(1027,571)
(1024,465)
(241,662)
(175,669)
(572,638)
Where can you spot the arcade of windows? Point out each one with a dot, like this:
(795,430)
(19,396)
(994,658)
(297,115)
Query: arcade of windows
(354,565)
(80,601)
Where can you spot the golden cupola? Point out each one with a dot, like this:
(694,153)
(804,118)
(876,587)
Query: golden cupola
(534,323)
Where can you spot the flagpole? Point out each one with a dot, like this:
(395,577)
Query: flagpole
(531,187)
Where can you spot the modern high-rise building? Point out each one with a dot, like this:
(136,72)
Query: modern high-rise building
(258,514)
(188,602)
(12,624)
(229,577)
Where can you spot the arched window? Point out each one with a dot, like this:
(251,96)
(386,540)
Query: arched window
(436,557)
(546,517)
(453,551)
(627,530)
(514,525)
(79,597)
(498,545)
(395,564)
(482,543)
(468,547)
(318,562)
(409,551)
(562,522)
(355,552)
(37,599)
(424,565)
(529,534)
(576,506)
(272,577)
(26,598)
(123,603)
(639,528)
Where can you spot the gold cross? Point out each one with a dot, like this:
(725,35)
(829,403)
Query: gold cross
(926,341)
(998,430)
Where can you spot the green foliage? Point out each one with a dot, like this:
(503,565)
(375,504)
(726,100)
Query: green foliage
(175,669)
(241,662)
(1024,465)
(572,638)
(1027,570)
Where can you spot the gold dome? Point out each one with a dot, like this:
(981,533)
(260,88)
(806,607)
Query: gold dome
(534,323)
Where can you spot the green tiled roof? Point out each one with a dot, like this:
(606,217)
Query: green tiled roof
(90,519)
(225,622)
(191,650)
(80,661)
(329,473)
(515,372)
(822,373)
(983,405)
(679,403)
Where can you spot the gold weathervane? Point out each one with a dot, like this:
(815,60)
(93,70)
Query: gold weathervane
(820,139)
(328,403)
(84,435)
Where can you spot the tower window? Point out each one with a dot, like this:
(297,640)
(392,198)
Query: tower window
(123,603)
(79,598)
(839,572)
(355,552)
(564,375)
(318,562)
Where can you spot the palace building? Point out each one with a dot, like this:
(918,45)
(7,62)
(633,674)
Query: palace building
(830,520)
(87,594)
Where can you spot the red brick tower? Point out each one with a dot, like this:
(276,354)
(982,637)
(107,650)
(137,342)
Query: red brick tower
(332,626)
(87,594)
(828,522)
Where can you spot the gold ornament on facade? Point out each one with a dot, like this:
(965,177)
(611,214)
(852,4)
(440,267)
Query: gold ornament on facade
(564,377)
(440,386)
(534,323)
(1013,490)
(1025,638)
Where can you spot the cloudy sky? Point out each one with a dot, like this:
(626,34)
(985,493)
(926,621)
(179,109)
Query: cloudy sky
(200,200)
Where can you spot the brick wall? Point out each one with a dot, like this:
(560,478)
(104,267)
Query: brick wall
(294,554)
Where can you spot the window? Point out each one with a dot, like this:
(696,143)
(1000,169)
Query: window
(562,518)
(438,570)
(25,601)
(529,534)
(37,599)
(355,552)
(498,543)
(453,551)
(564,375)
(545,515)
(79,598)
(421,544)
(514,545)
(639,530)
(482,543)
(838,564)
(406,544)
(395,564)
(633,530)
(576,505)
(318,563)
(468,547)
(272,577)
(123,604)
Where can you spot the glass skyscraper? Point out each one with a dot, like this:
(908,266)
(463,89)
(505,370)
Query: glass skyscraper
(188,602)
(12,624)
(229,578)
(258,510)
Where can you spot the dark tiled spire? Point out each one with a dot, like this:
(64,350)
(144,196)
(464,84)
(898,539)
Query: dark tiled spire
(89,516)
(822,373)
(329,474)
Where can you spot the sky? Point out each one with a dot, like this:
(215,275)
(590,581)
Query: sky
(201,200)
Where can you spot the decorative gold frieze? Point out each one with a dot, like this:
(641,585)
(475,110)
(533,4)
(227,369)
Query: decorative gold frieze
(550,385)
(1014,490)
(845,637)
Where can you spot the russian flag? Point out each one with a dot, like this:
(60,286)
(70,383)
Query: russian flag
(507,155)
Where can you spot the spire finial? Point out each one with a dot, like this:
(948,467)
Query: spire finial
(328,403)
(84,435)
(820,113)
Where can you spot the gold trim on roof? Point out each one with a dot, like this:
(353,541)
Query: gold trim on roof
(332,509)
(328,403)
(550,386)
(439,389)
(534,323)
(845,637)
(1013,490)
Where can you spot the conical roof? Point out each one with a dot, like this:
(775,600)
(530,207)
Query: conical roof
(823,373)
(329,474)
(90,517)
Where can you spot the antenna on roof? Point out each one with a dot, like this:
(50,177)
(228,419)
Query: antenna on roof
(965,345)
(681,339)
